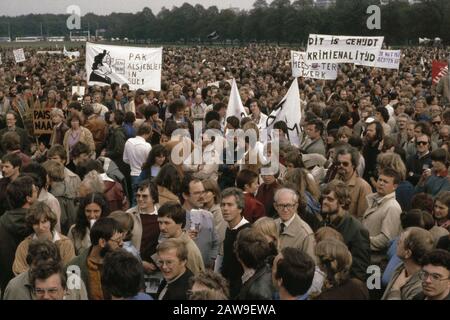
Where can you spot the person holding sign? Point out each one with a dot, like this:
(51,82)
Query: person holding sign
(77,133)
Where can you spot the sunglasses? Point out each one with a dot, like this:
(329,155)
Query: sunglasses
(424,143)
(344,164)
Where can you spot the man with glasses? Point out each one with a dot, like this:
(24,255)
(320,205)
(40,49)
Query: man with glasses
(347,160)
(294,232)
(48,281)
(417,163)
(435,276)
(106,236)
(172,260)
(146,230)
(199,222)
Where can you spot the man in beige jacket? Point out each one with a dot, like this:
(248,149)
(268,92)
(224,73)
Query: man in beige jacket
(382,217)
(294,232)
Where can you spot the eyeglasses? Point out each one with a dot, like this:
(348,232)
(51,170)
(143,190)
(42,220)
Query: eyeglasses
(41,291)
(168,263)
(285,206)
(344,164)
(423,275)
(424,143)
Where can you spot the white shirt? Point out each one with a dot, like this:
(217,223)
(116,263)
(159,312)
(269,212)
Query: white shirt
(135,153)
(287,223)
(262,121)
(240,224)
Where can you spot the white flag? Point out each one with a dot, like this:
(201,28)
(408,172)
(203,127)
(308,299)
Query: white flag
(289,111)
(139,67)
(19,55)
(235,106)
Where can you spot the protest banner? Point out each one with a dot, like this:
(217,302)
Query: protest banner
(302,68)
(289,111)
(19,55)
(138,67)
(71,54)
(42,122)
(439,70)
(78,90)
(343,49)
(49,52)
(389,59)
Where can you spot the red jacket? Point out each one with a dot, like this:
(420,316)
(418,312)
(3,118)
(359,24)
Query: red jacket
(115,196)
(253,208)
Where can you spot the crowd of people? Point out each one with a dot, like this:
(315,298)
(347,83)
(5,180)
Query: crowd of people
(100,208)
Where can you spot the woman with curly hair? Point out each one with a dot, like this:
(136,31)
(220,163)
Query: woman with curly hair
(335,260)
(92,207)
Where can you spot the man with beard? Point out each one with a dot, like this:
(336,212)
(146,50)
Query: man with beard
(347,159)
(372,140)
(105,236)
(335,200)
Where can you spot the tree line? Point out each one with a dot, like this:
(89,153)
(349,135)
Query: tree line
(278,21)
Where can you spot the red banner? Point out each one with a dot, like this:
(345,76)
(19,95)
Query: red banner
(440,69)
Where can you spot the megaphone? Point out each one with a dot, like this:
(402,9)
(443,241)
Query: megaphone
(424,40)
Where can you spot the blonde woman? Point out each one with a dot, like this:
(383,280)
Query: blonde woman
(268,228)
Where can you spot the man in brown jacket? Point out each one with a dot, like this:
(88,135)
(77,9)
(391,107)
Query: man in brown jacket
(347,159)
(97,126)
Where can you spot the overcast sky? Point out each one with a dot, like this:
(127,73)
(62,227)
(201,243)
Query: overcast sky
(19,7)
